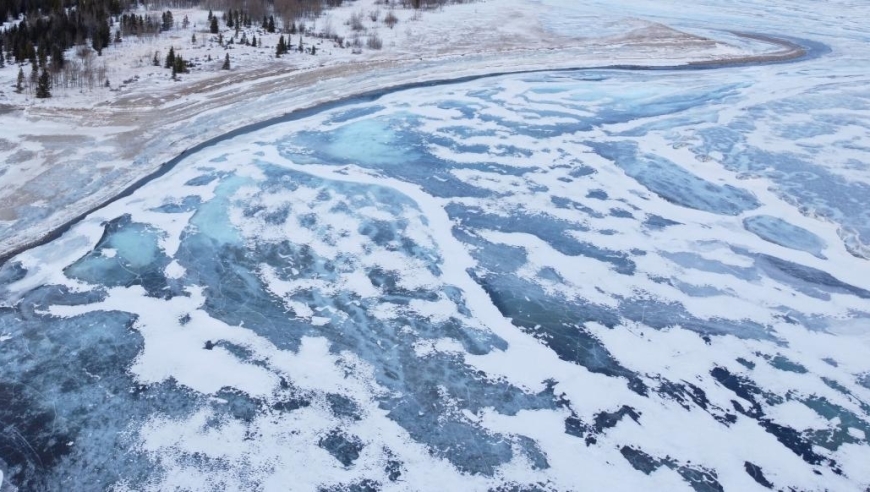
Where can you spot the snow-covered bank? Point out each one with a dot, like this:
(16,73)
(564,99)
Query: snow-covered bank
(71,154)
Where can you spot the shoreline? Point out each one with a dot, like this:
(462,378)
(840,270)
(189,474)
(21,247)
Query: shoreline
(416,75)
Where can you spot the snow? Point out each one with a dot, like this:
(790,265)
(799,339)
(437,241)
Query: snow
(122,131)
(464,286)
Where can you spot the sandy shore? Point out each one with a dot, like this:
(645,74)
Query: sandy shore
(115,144)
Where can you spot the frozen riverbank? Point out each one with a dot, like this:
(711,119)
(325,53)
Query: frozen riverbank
(65,162)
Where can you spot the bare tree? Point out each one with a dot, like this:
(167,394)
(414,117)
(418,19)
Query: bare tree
(356,21)
(374,42)
(391,20)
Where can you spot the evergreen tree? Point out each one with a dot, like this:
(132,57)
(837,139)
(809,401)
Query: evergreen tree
(265,22)
(313,50)
(214,25)
(42,50)
(29,52)
(42,55)
(2,58)
(156,60)
(19,85)
(193,38)
(226,65)
(57,59)
(43,87)
(170,58)
(210,15)
(230,20)
(280,49)
(101,37)
(253,41)
(168,22)
(271,27)
(301,49)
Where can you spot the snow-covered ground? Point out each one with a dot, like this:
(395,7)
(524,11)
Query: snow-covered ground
(67,154)
(583,280)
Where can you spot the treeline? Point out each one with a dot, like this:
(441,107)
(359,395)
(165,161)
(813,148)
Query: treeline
(42,30)
(48,28)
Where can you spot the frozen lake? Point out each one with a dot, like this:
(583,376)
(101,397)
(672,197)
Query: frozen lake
(600,279)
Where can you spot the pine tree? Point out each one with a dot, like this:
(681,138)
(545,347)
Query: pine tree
(230,20)
(226,65)
(101,37)
(271,27)
(210,15)
(43,87)
(2,58)
(156,60)
(170,58)
(180,65)
(42,55)
(168,21)
(313,50)
(19,85)
(214,25)
(193,38)
(57,59)
(280,49)
(253,40)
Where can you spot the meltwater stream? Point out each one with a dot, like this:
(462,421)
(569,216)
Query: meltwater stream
(561,281)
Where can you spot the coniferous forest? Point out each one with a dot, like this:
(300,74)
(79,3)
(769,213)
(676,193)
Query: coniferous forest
(39,33)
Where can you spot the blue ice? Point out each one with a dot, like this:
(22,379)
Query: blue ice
(674,183)
(780,232)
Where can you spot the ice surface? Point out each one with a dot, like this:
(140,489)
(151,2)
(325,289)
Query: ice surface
(572,281)
(780,232)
